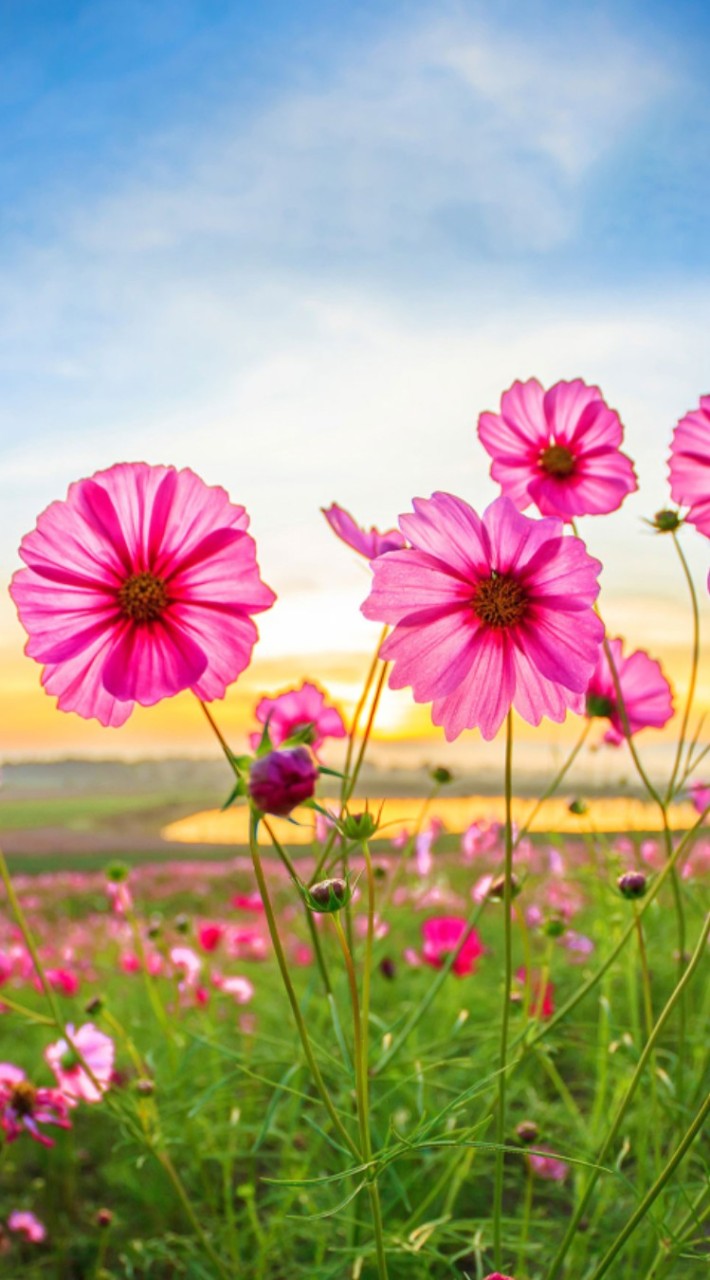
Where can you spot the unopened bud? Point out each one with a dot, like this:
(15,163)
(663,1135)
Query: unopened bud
(182,923)
(359,826)
(94,1005)
(145,1087)
(497,887)
(527,1131)
(554,927)
(281,780)
(666,521)
(104,1218)
(388,968)
(441,776)
(578,806)
(328,896)
(632,884)
(117,872)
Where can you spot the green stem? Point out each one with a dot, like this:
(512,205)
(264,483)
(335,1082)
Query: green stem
(558,778)
(171,1171)
(525,1228)
(507,989)
(654,1191)
(692,1216)
(315,937)
(694,662)
(627,1099)
(648,1015)
(293,1001)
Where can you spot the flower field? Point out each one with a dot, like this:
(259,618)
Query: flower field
(385,1048)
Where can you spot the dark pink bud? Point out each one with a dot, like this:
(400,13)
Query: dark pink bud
(632,884)
(282,779)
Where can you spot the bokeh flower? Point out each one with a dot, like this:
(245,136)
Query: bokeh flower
(646,693)
(488,613)
(299,711)
(442,935)
(700,795)
(367,542)
(139,585)
(547,1167)
(97,1052)
(558,449)
(24,1107)
(689,466)
(26,1224)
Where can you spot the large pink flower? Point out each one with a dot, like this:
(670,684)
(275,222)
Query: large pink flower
(368,542)
(96,1050)
(299,709)
(690,466)
(558,449)
(138,585)
(488,613)
(645,691)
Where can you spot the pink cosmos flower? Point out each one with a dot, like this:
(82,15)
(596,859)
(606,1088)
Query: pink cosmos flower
(690,466)
(139,585)
(548,1167)
(370,544)
(24,1106)
(542,1000)
(210,934)
(498,1275)
(488,613)
(97,1051)
(646,693)
(442,935)
(299,709)
(27,1225)
(558,449)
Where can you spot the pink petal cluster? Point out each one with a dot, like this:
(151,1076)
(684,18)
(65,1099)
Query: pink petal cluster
(24,1107)
(299,709)
(690,465)
(700,795)
(369,543)
(442,935)
(558,449)
(28,1225)
(547,1167)
(139,585)
(646,693)
(97,1051)
(488,613)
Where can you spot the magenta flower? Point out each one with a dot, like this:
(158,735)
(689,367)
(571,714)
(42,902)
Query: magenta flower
(295,711)
(281,780)
(97,1051)
(646,693)
(24,1106)
(488,613)
(690,466)
(369,543)
(442,935)
(498,1275)
(26,1224)
(558,449)
(139,585)
(548,1167)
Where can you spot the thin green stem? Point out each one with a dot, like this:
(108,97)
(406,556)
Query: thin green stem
(315,937)
(507,989)
(525,1227)
(171,1171)
(648,1015)
(556,781)
(626,1101)
(692,1216)
(293,1000)
(694,662)
(654,1192)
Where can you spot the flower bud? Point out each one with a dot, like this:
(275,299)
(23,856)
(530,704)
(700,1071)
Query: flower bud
(527,1131)
(104,1218)
(281,780)
(554,927)
(328,896)
(666,521)
(441,776)
(359,826)
(496,888)
(632,884)
(388,969)
(94,1005)
(578,806)
(182,923)
(117,872)
(145,1087)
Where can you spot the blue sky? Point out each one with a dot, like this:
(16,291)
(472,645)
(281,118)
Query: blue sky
(301,247)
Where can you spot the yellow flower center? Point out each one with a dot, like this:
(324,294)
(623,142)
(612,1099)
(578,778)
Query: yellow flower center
(499,601)
(143,597)
(557,460)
